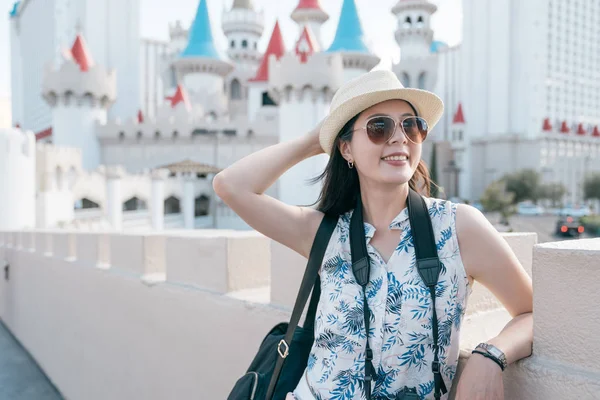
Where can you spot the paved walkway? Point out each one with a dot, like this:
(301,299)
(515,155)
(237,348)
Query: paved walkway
(20,376)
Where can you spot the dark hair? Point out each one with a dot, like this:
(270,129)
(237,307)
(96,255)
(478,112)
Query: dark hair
(341,185)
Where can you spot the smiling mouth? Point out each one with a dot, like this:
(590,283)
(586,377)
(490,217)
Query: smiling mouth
(395,158)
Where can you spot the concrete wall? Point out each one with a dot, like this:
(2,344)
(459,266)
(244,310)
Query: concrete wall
(142,316)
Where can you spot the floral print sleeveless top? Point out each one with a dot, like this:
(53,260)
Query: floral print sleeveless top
(400,331)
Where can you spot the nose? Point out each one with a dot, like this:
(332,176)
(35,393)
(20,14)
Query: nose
(398,135)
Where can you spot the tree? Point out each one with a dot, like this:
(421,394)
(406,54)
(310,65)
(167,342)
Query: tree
(525,185)
(591,187)
(433,172)
(496,198)
(553,192)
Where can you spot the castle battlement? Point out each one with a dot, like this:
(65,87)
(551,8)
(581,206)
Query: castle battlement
(16,143)
(70,85)
(243,20)
(320,76)
(180,125)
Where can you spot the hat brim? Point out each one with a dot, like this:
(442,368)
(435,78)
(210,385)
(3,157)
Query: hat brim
(428,106)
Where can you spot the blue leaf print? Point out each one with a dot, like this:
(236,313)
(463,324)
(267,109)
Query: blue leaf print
(426,388)
(384,382)
(420,311)
(312,359)
(440,289)
(406,243)
(328,365)
(354,320)
(394,296)
(445,236)
(375,287)
(335,293)
(414,356)
(347,384)
(458,315)
(418,338)
(332,319)
(336,266)
(329,340)
(349,346)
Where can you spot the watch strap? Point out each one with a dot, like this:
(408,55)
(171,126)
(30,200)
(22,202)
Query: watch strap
(491,357)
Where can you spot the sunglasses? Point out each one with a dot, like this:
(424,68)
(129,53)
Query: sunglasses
(380,129)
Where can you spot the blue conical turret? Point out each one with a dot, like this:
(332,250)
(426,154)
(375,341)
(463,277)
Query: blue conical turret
(349,35)
(200,42)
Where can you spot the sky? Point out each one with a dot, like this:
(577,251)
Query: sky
(378,23)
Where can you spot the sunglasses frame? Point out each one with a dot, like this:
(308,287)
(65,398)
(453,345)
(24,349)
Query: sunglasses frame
(396,124)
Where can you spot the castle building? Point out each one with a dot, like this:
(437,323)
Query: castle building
(130,131)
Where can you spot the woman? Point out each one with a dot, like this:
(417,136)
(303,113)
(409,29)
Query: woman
(374,135)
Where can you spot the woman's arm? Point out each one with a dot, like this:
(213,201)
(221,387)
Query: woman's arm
(490,260)
(242,185)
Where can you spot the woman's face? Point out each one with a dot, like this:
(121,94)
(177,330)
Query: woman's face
(372,160)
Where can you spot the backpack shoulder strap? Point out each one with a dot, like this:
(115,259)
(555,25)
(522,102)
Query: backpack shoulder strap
(429,268)
(311,276)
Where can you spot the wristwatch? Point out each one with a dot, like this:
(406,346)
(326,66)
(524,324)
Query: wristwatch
(493,353)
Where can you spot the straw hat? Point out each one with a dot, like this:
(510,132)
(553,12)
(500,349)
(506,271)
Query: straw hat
(369,89)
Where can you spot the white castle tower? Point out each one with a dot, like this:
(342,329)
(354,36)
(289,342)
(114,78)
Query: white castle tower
(351,43)
(243,26)
(200,67)
(418,65)
(79,93)
(310,13)
(17,179)
(303,91)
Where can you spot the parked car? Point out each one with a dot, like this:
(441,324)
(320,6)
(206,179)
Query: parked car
(528,208)
(569,226)
(575,211)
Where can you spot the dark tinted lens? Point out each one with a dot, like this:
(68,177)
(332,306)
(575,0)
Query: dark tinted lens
(380,129)
(415,129)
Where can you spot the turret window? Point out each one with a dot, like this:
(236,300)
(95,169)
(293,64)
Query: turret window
(422,77)
(255,45)
(232,44)
(405,79)
(236,90)
(420,22)
(244,44)
(407,22)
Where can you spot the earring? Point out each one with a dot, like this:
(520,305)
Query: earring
(350,164)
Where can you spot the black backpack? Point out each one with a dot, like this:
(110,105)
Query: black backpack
(283,354)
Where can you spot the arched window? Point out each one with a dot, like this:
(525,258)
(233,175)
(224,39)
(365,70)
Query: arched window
(420,22)
(135,203)
(201,206)
(255,45)
(267,100)
(244,44)
(405,79)
(236,90)
(232,44)
(421,84)
(407,22)
(172,205)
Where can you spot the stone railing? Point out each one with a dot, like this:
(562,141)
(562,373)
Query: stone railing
(180,314)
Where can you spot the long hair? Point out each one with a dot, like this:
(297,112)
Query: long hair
(341,185)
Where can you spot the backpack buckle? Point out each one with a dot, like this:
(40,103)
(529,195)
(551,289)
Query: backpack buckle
(286,350)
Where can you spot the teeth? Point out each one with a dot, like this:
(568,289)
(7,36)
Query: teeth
(396,158)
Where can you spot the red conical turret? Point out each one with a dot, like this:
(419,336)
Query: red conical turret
(81,54)
(276,47)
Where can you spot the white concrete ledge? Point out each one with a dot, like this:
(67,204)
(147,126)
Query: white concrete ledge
(566,317)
